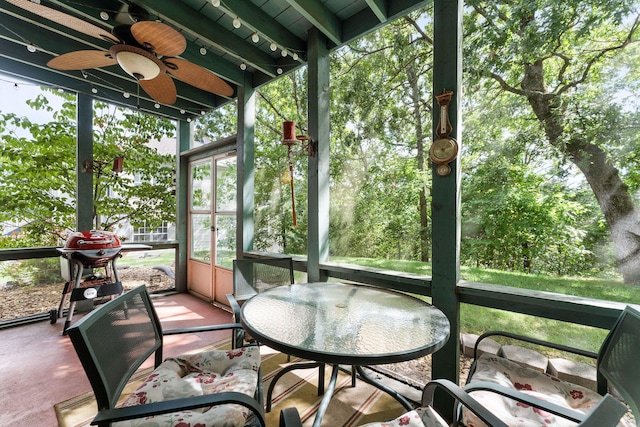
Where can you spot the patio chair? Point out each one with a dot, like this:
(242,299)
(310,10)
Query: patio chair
(208,388)
(254,275)
(606,414)
(514,392)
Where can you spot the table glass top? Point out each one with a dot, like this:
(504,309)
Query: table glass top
(318,320)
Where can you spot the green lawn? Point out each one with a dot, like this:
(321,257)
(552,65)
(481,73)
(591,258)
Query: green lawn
(476,319)
(148,258)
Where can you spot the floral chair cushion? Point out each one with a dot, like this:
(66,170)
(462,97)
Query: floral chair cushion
(544,386)
(199,374)
(420,417)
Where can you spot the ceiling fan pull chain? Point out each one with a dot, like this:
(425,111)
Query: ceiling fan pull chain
(138,87)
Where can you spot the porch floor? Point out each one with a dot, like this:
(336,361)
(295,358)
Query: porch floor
(39,367)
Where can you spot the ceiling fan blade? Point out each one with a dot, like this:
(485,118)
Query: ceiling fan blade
(65,19)
(162,89)
(82,59)
(197,76)
(159,37)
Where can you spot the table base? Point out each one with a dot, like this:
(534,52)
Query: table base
(328,393)
(293,367)
(324,404)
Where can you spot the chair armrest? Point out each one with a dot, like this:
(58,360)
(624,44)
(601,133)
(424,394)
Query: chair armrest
(535,341)
(461,396)
(207,328)
(238,336)
(606,414)
(108,416)
(234,304)
(561,411)
(289,417)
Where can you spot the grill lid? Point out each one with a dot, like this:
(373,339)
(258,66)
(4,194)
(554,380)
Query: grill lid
(91,240)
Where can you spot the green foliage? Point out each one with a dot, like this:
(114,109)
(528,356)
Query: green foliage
(546,77)
(283,100)
(40,271)
(39,173)
(381,109)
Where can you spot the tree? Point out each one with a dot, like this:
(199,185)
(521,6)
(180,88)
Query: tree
(381,110)
(282,100)
(39,176)
(554,56)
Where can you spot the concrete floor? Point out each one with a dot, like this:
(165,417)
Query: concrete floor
(39,367)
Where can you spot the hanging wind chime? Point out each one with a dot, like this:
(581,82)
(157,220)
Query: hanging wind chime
(291,140)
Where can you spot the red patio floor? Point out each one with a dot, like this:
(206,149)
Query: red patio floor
(39,368)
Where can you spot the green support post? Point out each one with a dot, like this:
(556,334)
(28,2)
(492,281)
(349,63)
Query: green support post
(245,145)
(318,169)
(84,152)
(447,75)
(183,143)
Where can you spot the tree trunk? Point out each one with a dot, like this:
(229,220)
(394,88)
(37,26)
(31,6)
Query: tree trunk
(610,192)
(417,116)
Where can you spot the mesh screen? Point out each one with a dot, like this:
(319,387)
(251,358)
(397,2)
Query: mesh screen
(253,276)
(121,340)
(619,362)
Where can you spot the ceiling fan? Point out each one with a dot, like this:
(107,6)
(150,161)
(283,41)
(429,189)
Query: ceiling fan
(146,50)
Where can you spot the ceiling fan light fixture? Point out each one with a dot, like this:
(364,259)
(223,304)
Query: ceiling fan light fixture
(136,62)
(140,67)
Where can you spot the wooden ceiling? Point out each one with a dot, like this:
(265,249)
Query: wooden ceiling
(213,41)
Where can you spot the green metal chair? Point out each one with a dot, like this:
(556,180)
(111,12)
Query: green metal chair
(114,340)
(252,276)
(606,414)
(618,372)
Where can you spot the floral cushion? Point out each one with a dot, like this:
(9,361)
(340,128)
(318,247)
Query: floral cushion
(198,374)
(544,386)
(421,417)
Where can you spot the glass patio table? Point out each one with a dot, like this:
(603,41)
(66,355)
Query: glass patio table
(343,324)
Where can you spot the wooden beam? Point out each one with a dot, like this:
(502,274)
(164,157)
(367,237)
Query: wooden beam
(379,8)
(254,18)
(368,19)
(320,17)
(549,305)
